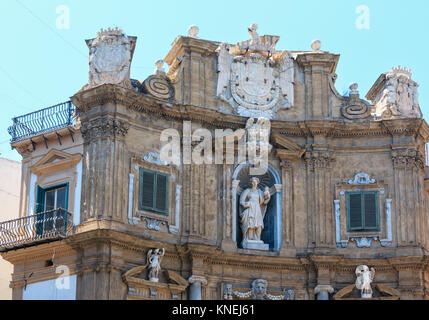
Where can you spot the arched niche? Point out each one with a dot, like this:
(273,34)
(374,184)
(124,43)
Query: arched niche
(271,233)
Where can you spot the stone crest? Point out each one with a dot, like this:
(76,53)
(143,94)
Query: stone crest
(110,56)
(254,77)
(395,95)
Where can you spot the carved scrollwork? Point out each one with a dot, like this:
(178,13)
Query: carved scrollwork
(355,108)
(158,85)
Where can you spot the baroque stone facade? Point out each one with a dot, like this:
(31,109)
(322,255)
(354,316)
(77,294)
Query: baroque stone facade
(323,149)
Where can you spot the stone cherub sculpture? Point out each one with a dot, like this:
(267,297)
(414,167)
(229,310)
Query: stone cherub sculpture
(365,277)
(254,202)
(154,258)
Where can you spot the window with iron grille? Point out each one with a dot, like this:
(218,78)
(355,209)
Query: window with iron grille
(153,191)
(362,211)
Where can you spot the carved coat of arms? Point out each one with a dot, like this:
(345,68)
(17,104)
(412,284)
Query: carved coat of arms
(110,58)
(398,96)
(254,77)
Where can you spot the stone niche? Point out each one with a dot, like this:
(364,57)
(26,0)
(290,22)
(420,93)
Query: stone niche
(270,236)
(171,286)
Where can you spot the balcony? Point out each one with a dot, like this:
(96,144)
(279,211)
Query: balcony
(45,120)
(29,231)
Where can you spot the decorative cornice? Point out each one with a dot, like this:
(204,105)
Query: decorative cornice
(140,102)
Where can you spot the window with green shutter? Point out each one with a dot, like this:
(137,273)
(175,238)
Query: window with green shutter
(362,211)
(153,191)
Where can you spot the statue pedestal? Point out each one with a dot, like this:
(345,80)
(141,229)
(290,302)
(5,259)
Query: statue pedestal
(255,245)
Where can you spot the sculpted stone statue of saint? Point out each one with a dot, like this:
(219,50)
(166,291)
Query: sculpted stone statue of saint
(254,202)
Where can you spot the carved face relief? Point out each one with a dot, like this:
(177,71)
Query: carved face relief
(259,288)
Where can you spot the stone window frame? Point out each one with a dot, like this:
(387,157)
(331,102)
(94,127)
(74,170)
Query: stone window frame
(153,219)
(46,174)
(363,239)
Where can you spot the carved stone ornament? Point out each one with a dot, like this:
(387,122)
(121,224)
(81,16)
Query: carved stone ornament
(395,95)
(153,224)
(408,158)
(319,159)
(257,292)
(355,108)
(365,277)
(160,285)
(104,128)
(254,77)
(155,158)
(362,178)
(110,56)
(158,85)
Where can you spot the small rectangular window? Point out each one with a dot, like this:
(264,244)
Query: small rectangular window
(362,211)
(153,191)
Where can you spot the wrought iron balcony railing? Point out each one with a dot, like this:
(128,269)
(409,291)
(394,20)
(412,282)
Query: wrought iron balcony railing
(41,121)
(36,229)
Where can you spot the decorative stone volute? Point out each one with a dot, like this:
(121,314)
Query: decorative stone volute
(158,85)
(355,108)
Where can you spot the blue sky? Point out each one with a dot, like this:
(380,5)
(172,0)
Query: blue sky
(41,65)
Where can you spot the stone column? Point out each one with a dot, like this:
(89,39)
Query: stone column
(408,166)
(105,174)
(278,231)
(195,289)
(319,204)
(323,292)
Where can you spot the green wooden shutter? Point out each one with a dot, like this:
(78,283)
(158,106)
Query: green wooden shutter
(354,201)
(153,191)
(161,193)
(40,200)
(146,192)
(371,211)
